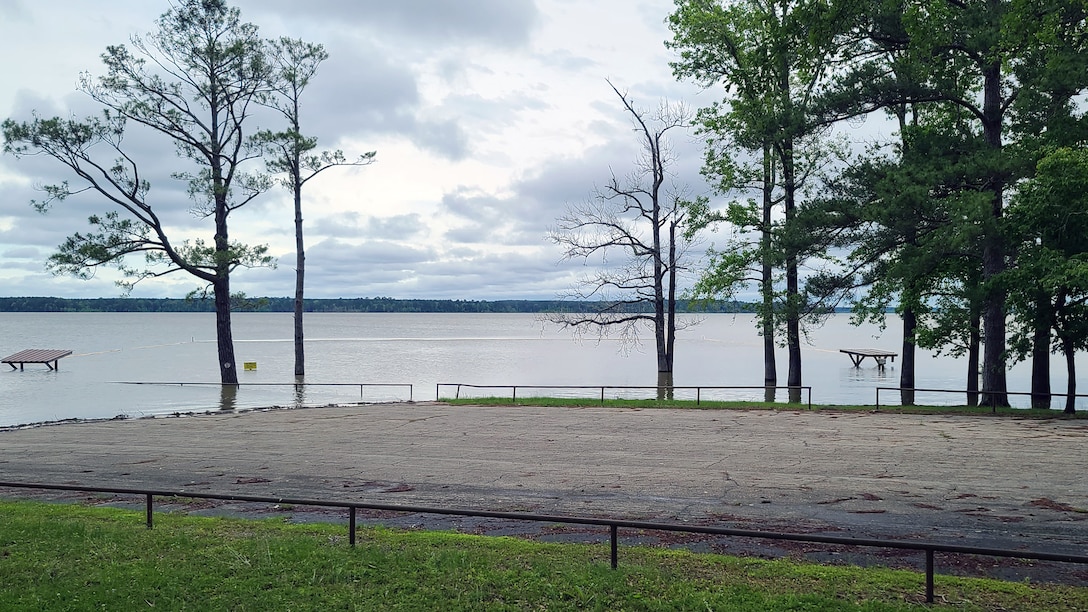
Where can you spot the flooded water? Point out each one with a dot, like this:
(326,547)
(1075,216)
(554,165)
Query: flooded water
(351,357)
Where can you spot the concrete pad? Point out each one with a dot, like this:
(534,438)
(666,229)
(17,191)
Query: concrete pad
(977,480)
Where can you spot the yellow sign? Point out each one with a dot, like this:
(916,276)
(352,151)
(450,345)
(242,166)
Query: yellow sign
(249,365)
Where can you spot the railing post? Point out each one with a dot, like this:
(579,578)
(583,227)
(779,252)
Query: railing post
(149,513)
(602,396)
(514,394)
(698,395)
(810,398)
(929,575)
(878,399)
(614,537)
(351,527)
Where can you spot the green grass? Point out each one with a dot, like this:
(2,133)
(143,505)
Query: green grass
(69,557)
(741,405)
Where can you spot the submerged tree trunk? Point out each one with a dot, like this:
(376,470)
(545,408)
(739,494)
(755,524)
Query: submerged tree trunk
(228,397)
(228,374)
(664,386)
(300,284)
(300,392)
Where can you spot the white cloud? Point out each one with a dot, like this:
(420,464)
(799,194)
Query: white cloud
(488,118)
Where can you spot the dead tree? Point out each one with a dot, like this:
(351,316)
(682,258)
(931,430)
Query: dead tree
(639,217)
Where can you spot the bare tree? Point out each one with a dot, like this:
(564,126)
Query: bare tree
(638,216)
(293,155)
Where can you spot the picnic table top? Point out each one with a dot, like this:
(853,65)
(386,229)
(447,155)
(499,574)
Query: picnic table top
(868,352)
(36,356)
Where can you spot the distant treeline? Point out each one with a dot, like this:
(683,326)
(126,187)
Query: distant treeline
(379,304)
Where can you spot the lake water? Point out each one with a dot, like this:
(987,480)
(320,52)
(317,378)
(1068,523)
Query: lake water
(112,350)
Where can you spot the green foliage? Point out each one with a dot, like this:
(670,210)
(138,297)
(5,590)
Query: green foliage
(288,152)
(770,58)
(986,412)
(1048,287)
(220,66)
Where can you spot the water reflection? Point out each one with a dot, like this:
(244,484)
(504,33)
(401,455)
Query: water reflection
(228,397)
(664,386)
(300,391)
(416,348)
(906,397)
(795,395)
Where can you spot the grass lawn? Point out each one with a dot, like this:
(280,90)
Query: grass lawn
(1031,413)
(72,557)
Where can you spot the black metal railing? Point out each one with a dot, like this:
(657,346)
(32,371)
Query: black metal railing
(976,394)
(659,391)
(929,548)
(361,386)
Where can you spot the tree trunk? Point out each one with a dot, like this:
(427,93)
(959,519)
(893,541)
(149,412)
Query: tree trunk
(789,187)
(1071,371)
(300,277)
(994,386)
(974,340)
(793,338)
(670,320)
(766,287)
(228,373)
(664,359)
(906,372)
(793,289)
(1040,355)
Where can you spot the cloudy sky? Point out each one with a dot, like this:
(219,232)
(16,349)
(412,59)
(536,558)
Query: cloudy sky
(489,117)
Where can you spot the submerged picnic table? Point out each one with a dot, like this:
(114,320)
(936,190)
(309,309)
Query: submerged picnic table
(47,356)
(858,355)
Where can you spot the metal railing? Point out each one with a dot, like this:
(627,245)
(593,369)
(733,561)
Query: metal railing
(963,392)
(660,391)
(929,548)
(361,386)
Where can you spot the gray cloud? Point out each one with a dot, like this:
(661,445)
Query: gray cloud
(377,268)
(523,217)
(363,90)
(504,23)
(470,82)
(22,253)
(13,10)
(353,225)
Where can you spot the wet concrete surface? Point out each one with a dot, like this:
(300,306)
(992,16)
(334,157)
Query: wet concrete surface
(977,480)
